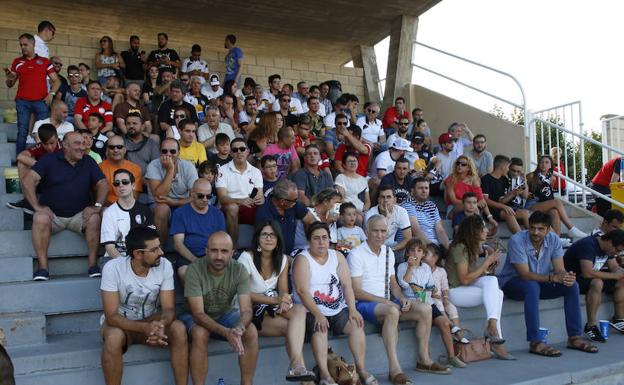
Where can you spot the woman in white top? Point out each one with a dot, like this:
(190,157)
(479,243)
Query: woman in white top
(107,61)
(323,293)
(324,210)
(268,285)
(354,185)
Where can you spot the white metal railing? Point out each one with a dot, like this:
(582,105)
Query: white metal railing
(381,88)
(568,140)
(612,134)
(522,105)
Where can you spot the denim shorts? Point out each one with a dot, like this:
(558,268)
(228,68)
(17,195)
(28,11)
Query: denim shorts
(228,320)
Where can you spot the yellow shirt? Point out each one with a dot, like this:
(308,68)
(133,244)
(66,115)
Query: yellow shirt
(195,153)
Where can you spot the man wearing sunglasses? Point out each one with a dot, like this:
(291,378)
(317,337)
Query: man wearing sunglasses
(239,189)
(115,160)
(192,225)
(170,180)
(74,91)
(123,215)
(372,132)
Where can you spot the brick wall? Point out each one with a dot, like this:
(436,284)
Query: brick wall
(74,49)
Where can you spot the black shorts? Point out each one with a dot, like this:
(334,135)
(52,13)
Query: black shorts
(337,323)
(608,285)
(435,312)
(259,311)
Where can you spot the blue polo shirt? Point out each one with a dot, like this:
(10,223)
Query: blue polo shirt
(288,222)
(520,250)
(196,227)
(66,189)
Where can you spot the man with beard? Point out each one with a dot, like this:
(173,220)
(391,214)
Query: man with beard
(462,137)
(402,132)
(136,62)
(164,57)
(115,160)
(132,104)
(140,149)
(139,306)
(482,158)
(166,111)
(210,286)
(249,116)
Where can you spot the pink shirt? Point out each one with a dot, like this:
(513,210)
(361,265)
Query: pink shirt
(284,158)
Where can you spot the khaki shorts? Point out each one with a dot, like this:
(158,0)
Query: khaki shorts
(72,223)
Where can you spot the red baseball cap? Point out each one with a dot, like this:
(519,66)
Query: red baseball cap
(445,138)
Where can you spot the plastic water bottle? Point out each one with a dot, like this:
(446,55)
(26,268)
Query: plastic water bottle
(221,381)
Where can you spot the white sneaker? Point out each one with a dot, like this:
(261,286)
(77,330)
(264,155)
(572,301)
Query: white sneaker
(566,242)
(575,233)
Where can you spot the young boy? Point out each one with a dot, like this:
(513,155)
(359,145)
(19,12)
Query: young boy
(209,171)
(469,201)
(268,167)
(90,145)
(49,143)
(349,235)
(222,143)
(95,123)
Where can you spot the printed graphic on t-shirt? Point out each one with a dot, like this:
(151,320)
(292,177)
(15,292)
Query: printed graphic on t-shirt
(332,299)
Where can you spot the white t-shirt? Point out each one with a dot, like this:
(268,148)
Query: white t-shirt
(238,185)
(353,188)
(383,162)
(446,167)
(398,221)
(189,65)
(63,129)
(421,276)
(41,47)
(330,120)
(364,263)
(295,106)
(352,236)
(257,284)
(268,96)
(138,296)
(301,242)
(207,91)
(370,131)
(204,133)
(460,145)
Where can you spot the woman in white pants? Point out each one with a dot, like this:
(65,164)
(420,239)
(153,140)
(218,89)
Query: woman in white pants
(471,285)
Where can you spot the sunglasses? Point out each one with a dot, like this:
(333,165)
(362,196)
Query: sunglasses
(74,75)
(124,182)
(373,111)
(57,64)
(463,164)
(285,100)
(171,151)
(181,116)
(184,80)
(403,123)
(202,196)
(290,200)
(341,123)
(115,146)
(239,149)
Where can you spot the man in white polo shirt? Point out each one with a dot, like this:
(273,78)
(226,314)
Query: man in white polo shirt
(239,189)
(374,283)
(372,131)
(396,216)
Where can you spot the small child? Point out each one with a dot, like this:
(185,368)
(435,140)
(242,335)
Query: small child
(209,171)
(416,280)
(469,201)
(440,297)
(88,140)
(268,168)
(349,235)
(95,124)
(222,156)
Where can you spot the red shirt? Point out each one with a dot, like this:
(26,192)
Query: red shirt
(362,158)
(84,108)
(392,117)
(38,151)
(324,162)
(603,178)
(460,188)
(32,73)
(299,141)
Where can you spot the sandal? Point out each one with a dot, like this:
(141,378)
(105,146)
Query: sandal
(434,368)
(541,349)
(399,379)
(300,374)
(578,344)
(327,382)
(370,380)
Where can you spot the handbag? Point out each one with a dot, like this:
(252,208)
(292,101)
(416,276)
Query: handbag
(478,349)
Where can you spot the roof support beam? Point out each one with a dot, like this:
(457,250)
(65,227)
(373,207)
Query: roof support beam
(399,76)
(364,57)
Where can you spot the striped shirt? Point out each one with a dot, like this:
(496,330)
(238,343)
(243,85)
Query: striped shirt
(427,215)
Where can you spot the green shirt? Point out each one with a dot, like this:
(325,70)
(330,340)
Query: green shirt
(457,255)
(217,291)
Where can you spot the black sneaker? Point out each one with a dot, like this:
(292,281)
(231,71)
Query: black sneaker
(41,275)
(617,324)
(21,205)
(594,334)
(94,272)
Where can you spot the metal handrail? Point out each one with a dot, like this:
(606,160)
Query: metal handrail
(523,106)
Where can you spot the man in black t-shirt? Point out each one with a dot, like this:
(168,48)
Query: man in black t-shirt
(167,109)
(498,195)
(136,62)
(164,57)
(586,258)
(399,179)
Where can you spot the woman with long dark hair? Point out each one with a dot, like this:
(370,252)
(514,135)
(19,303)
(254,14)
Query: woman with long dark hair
(541,197)
(107,61)
(473,285)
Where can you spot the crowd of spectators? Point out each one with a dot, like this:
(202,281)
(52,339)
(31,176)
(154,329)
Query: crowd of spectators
(337,195)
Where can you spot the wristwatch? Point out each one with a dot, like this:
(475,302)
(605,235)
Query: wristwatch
(53,93)
(98,205)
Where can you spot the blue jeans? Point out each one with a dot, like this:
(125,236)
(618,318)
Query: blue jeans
(24,109)
(531,292)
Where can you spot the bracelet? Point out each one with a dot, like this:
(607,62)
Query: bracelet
(490,216)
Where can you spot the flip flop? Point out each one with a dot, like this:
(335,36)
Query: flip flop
(370,380)
(300,374)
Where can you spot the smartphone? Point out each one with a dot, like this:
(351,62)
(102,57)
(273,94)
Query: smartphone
(253,193)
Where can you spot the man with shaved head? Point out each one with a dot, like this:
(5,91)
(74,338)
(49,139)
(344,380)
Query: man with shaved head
(62,205)
(131,105)
(210,286)
(192,224)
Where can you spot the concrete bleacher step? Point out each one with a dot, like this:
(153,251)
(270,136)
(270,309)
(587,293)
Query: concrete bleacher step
(11,219)
(10,129)
(24,328)
(6,198)
(8,148)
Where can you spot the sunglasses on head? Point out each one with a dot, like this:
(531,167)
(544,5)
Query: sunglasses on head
(115,146)
(171,151)
(239,149)
(124,182)
(202,196)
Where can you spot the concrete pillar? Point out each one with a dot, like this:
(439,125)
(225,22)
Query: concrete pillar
(364,57)
(399,76)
